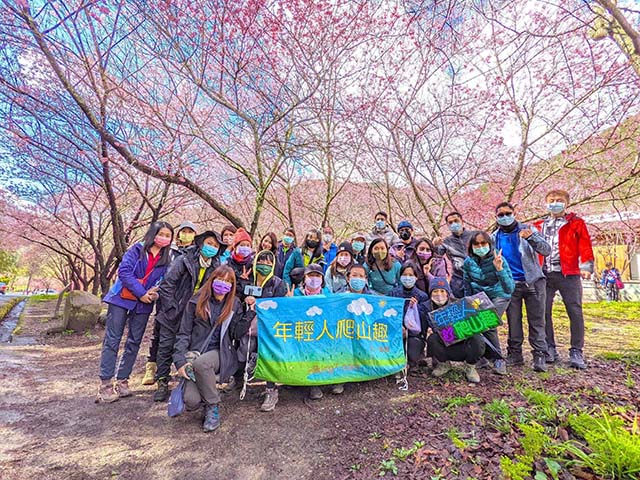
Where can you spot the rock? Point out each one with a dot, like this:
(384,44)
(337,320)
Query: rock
(81,311)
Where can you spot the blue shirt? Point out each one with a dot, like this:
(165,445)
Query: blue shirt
(510,245)
(329,255)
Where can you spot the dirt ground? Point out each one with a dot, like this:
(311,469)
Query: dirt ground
(51,428)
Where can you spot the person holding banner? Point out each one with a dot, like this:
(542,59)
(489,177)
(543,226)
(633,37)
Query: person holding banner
(468,351)
(265,284)
(382,270)
(485,270)
(310,252)
(415,331)
(241,260)
(204,354)
(335,277)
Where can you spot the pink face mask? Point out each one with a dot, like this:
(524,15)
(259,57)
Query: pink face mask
(343,260)
(162,241)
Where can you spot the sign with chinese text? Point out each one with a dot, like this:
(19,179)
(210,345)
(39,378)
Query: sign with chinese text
(464,318)
(323,340)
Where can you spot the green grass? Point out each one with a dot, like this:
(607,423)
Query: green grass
(44,297)
(453,403)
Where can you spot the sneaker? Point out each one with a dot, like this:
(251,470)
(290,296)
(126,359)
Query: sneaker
(149,374)
(576,360)
(337,389)
(106,392)
(270,400)
(162,393)
(315,393)
(500,367)
(211,418)
(472,373)
(483,363)
(552,355)
(122,386)
(514,360)
(441,369)
(539,362)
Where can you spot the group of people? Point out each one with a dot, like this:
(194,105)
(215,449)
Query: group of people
(205,285)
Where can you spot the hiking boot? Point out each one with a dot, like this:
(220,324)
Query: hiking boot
(337,389)
(211,418)
(441,369)
(576,360)
(539,362)
(472,373)
(123,388)
(552,355)
(514,358)
(483,363)
(106,392)
(149,373)
(500,367)
(315,393)
(270,400)
(162,393)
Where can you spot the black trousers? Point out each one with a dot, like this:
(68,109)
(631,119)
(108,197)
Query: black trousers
(164,350)
(533,296)
(570,288)
(155,339)
(469,350)
(415,349)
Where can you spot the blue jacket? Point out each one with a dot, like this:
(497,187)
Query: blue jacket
(330,255)
(529,248)
(132,268)
(382,281)
(281,259)
(480,275)
(299,292)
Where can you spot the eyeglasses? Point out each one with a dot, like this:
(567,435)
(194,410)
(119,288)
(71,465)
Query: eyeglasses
(504,214)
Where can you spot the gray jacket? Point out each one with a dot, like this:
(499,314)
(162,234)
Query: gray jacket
(530,248)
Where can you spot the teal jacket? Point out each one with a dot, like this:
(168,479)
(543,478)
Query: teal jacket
(480,275)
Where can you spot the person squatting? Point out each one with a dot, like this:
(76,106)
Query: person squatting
(204,287)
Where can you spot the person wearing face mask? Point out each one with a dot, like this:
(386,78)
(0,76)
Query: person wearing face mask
(407,289)
(382,229)
(313,284)
(204,353)
(227,234)
(520,245)
(245,332)
(130,303)
(485,270)
(456,246)
(335,276)
(382,270)
(184,239)
(329,249)
(358,245)
(571,257)
(357,281)
(184,278)
(241,261)
(309,253)
(285,249)
(431,263)
(469,351)
(405,232)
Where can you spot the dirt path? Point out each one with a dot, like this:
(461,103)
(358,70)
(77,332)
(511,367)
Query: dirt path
(51,427)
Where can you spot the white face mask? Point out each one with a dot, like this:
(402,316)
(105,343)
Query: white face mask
(327,238)
(439,298)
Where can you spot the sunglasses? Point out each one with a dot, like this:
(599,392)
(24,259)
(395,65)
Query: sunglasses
(504,214)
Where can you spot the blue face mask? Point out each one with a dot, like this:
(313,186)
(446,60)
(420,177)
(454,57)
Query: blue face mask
(380,224)
(357,284)
(455,227)
(408,281)
(208,251)
(505,221)
(556,208)
(287,240)
(357,246)
(481,251)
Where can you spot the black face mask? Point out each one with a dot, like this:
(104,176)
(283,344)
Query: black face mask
(312,243)
(405,235)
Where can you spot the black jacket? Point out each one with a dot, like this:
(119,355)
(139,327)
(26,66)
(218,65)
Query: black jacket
(178,285)
(275,287)
(424,304)
(194,331)
(239,268)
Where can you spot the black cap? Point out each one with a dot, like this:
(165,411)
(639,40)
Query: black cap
(200,238)
(314,268)
(345,247)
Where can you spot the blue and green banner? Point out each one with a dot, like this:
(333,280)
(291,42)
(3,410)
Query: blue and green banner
(323,340)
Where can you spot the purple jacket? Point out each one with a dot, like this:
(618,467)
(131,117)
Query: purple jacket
(132,268)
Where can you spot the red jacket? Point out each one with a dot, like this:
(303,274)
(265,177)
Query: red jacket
(574,243)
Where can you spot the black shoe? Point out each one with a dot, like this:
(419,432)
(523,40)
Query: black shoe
(162,393)
(552,355)
(211,418)
(576,360)
(539,362)
(515,359)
